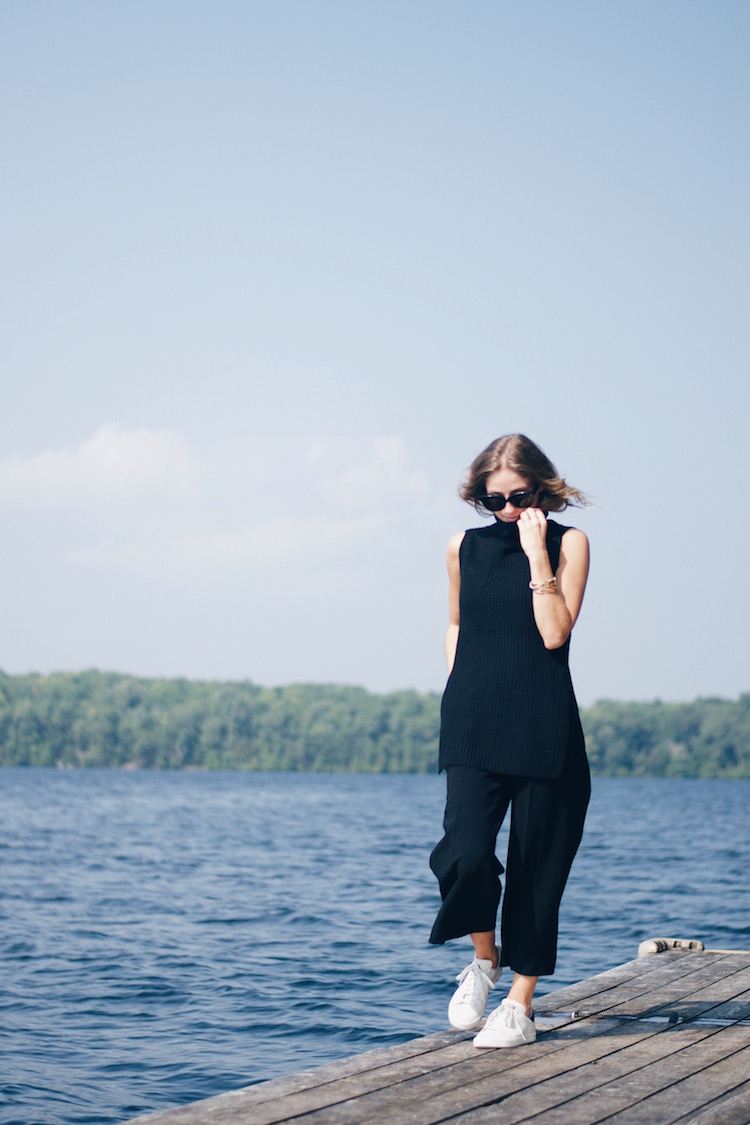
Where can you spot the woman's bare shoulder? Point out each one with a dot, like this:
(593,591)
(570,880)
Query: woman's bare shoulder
(574,541)
(454,545)
(574,552)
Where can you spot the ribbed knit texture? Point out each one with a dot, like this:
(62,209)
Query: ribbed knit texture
(508,706)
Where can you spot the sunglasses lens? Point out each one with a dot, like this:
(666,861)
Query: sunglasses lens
(522,499)
(494,503)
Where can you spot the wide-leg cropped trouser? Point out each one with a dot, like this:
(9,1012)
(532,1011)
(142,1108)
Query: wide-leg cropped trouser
(546,825)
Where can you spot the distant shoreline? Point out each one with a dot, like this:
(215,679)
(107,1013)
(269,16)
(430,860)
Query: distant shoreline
(109,719)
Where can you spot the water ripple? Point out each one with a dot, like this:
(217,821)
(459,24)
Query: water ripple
(167,937)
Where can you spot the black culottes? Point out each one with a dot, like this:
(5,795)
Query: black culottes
(546,825)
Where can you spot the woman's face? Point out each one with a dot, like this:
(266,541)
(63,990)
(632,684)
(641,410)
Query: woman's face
(507,481)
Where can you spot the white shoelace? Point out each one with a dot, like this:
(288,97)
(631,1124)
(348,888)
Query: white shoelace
(475,983)
(507,1015)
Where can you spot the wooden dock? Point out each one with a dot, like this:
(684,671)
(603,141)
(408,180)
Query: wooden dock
(664,1038)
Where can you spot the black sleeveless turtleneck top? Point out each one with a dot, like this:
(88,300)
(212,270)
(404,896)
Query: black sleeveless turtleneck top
(509,705)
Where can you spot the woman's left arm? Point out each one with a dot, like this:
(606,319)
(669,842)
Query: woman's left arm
(555,612)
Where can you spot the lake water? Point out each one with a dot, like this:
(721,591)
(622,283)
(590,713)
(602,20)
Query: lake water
(169,936)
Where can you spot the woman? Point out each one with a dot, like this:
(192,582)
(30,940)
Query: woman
(510,733)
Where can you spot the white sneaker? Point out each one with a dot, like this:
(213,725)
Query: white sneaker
(507,1026)
(468,1002)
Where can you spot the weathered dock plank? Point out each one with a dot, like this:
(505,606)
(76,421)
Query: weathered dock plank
(661,1039)
(729,1109)
(624,1081)
(676,1100)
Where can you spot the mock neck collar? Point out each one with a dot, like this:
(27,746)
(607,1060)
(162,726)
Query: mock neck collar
(505,531)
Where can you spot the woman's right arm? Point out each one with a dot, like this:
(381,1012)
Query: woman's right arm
(454,593)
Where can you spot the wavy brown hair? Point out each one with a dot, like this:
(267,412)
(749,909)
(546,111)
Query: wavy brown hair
(523,456)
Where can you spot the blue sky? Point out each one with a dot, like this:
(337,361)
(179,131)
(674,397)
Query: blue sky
(273,273)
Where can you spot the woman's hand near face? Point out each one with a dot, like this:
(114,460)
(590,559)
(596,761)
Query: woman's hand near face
(555,611)
(532,531)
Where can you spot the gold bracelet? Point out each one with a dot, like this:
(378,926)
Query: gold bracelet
(548,587)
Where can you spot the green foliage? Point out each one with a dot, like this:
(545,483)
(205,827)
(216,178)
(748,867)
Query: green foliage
(106,719)
(705,738)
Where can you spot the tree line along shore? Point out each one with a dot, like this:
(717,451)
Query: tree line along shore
(111,720)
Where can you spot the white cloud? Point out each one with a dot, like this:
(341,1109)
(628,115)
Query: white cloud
(115,464)
(245,504)
(364,473)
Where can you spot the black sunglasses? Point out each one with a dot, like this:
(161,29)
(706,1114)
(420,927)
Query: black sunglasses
(495,502)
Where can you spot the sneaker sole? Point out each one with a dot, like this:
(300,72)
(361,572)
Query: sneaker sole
(476,1025)
(501,1046)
